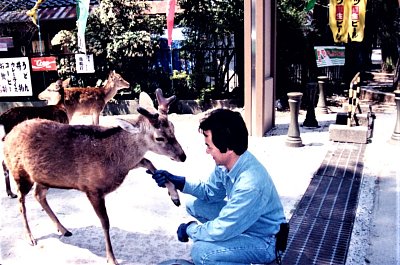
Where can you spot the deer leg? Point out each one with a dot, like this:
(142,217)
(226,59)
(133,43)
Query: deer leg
(98,203)
(173,193)
(23,188)
(95,118)
(70,116)
(7,179)
(146,164)
(40,195)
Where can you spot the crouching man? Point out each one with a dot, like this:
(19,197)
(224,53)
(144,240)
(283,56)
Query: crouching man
(238,209)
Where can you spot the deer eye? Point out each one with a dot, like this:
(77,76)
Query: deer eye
(160,139)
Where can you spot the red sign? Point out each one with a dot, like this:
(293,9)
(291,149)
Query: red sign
(339,12)
(44,64)
(355,12)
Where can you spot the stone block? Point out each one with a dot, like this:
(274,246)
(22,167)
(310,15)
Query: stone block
(347,134)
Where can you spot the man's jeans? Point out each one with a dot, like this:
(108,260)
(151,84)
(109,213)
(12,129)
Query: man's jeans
(243,249)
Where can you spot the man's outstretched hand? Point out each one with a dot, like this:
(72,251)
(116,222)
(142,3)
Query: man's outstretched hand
(163,176)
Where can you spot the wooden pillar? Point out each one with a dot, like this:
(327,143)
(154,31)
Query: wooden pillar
(259,17)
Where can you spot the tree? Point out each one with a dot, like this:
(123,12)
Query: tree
(385,27)
(293,47)
(214,25)
(123,37)
(215,30)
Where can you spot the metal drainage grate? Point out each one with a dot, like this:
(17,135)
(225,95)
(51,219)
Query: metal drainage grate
(321,226)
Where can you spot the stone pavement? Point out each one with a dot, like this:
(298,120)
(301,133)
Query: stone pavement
(144,221)
(383,164)
(376,232)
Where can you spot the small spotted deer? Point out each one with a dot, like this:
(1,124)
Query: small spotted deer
(89,100)
(89,158)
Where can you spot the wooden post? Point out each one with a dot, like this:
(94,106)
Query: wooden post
(259,24)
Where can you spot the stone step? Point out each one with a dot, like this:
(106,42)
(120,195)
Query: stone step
(375,94)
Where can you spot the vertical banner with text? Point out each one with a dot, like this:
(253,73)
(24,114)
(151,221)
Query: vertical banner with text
(15,77)
(357,26)
(347,19)
(338,19)
(82,12)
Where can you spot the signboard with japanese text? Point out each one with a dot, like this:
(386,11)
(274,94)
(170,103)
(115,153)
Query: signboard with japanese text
(347,19)
(329,55)
(44,63)
(84,63)
(15,77)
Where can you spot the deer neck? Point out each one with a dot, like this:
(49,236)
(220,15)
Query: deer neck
(109,91)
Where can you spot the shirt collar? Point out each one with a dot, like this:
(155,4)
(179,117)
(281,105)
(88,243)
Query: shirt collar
(236,169)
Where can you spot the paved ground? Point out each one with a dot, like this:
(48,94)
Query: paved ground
(144,221)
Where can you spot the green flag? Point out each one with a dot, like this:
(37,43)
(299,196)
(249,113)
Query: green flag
(82,12)
(310,5)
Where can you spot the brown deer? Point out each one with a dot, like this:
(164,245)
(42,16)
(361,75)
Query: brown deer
(89,100)
(16,115)
(89,158)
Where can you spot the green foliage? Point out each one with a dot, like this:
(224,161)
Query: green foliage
(180,75)
(121,36)
(291,41)
(213,28)
(120,30)
(385,22)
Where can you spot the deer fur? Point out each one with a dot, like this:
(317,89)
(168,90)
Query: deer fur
(89,100)
(16,115)
(89,158)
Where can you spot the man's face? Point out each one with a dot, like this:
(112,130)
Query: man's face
(219,158)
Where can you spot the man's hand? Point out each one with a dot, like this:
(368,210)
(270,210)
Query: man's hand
(182,234)
(163,176)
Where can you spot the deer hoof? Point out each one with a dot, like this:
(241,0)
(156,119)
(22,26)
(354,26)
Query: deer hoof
(177,202)
(12,195)
(67,233)
(31,240)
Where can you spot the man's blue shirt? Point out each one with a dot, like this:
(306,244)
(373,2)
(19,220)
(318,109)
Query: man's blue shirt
(253,205)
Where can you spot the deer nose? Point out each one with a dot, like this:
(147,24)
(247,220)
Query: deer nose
(182,157)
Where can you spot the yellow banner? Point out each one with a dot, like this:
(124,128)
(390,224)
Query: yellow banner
(33,12)
(338,19)
(357,18)
(347,19)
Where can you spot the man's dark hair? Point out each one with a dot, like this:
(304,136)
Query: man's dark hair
(228,130)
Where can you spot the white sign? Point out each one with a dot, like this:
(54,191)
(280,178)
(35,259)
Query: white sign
(84,63)
(329,55)
(3,47)
(15,77)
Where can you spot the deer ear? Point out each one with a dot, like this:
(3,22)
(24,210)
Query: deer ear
(147,114)
(152,117)
(127,126)
(146,102)
(59,85)
(66,82)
